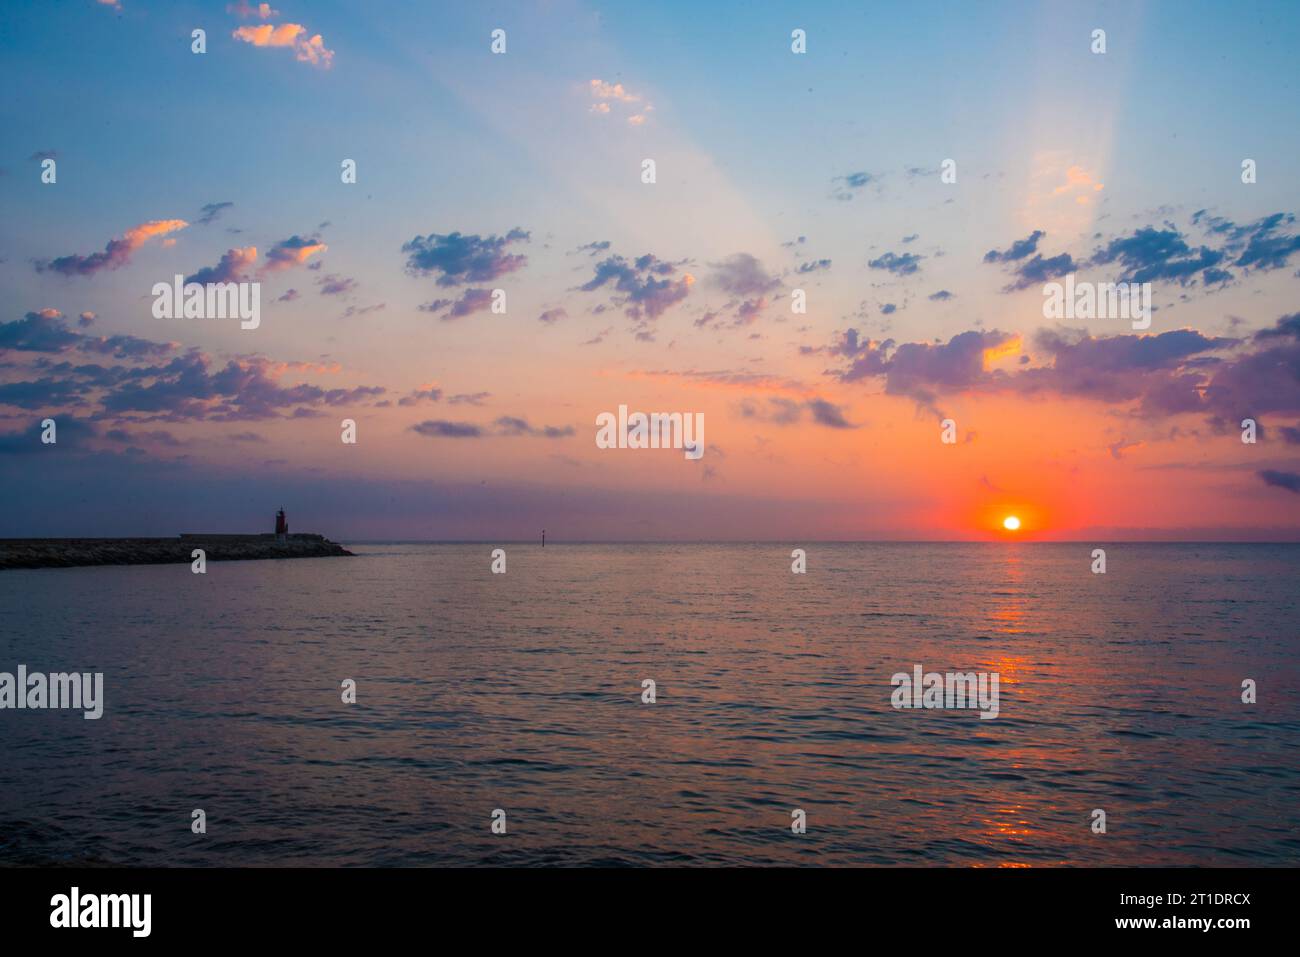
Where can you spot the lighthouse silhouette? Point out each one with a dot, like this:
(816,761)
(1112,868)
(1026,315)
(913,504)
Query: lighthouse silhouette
(281,525)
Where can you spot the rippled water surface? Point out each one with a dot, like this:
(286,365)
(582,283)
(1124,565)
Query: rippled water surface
(523,692)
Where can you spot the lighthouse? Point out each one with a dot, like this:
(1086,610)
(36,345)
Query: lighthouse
(281,526)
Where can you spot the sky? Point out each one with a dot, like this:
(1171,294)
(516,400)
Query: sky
(914,180)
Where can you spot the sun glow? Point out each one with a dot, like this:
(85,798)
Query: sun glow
(1011,523)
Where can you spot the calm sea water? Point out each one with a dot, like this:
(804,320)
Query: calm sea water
(523,692)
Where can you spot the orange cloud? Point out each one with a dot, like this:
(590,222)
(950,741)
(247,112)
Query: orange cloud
(270,34)
(117,253)
(293,35)
(612,91)
(290,253)
(603,92)
(1010,347)
(1079,179)
(137,236)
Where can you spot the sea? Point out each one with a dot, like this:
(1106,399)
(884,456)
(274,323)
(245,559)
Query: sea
(519,699)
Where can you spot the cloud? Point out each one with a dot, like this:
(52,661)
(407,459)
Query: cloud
(552,316)
(209,212)
(291,252)
(828,414)
(605,94)
(292,35)
(1287,480)
(780,410)
(425,393)
(943,295)
(921,370)
(245,388)
(601,90)
(1117,449)
(727,379)
(46,331)
(645,287)
(471,398)
(351,311)
(472,301)
(513,425)
(1031,271)
(844,188)
(1265,248)
(1079,183)
(1159,375)
(41,331)
(1287,327)
(149,380)
(116,254)
(743,275)
(233,267)
(457,258)
(814,266)
(903,265)
(1017,250)
(1178,372)
(335,285)
(750,310)
(1153,254)
(443,429)
(243,8)
(1038,270)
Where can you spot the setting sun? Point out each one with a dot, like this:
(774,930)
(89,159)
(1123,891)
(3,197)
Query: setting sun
(1011,523)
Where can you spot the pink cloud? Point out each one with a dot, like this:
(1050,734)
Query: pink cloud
(117,253)
(291,252)
(243,8)
(234,267)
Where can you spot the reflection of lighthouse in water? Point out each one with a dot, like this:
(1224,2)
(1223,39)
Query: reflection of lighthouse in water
(281,525)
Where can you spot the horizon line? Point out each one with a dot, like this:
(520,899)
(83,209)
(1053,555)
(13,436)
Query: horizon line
(820,541)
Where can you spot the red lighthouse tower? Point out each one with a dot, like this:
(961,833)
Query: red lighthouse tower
(281,525)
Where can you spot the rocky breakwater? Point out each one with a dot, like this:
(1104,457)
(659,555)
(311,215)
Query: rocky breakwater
(69,552)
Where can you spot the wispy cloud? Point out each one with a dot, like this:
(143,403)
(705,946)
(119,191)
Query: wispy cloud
(116,254)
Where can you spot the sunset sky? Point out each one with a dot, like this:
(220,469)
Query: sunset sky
(775,172)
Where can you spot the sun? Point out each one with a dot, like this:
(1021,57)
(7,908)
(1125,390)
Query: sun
(1011,523)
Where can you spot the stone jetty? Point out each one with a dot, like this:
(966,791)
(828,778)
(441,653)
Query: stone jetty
(70,552)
